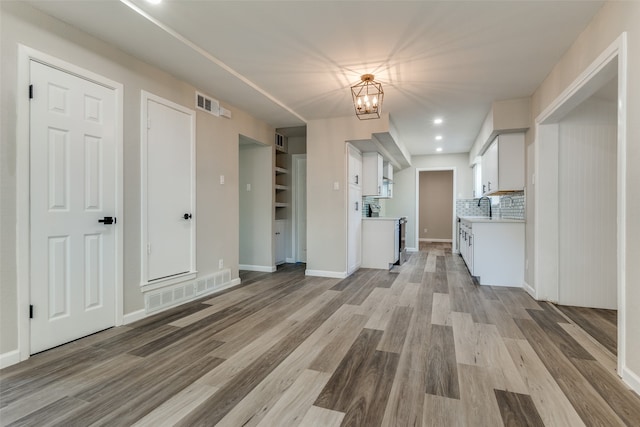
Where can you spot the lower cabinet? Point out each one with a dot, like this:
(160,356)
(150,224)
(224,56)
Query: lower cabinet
(279,241)
(494,251)
(380,242)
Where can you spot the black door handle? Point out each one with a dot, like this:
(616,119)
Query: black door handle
(107,220)
(186,216)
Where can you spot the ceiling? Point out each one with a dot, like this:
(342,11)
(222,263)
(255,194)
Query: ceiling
(287,62)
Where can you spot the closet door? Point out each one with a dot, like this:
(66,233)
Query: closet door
(168,218)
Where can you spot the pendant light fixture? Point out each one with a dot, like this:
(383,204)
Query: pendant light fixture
(367,98)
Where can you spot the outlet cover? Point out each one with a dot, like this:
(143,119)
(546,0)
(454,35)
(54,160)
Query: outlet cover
(220,263)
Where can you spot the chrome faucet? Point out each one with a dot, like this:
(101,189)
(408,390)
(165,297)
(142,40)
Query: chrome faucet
(489,200)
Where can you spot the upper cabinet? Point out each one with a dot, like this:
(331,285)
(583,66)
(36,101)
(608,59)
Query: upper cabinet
(502,165)
(372,171)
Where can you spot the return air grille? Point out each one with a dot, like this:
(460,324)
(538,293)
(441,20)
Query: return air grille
(208,104)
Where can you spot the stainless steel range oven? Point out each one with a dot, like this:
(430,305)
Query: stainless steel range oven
(403,240)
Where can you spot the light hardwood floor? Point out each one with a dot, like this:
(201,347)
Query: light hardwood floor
(425,346)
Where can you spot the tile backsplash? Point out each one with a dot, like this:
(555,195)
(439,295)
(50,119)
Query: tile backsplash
(507,206)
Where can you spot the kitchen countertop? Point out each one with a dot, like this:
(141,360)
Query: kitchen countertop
(487,219)
(381,218)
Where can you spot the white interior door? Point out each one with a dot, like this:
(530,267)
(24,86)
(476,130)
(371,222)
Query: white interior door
(170,190)
(72,188)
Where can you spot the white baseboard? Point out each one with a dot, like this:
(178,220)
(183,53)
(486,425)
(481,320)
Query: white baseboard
(529,290)
(261,268)
(632,379)
(435,240)
(411,249)
(134,316)
(322,273)
(9,358)
(290,260)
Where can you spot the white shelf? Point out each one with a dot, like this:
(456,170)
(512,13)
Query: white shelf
(281,205)
(281,187)
(281,170)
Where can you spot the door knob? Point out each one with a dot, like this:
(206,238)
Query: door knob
(107,220)
(186,216)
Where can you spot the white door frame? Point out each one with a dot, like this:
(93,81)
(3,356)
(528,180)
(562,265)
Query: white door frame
(295,203)
(23,250)
(454,247)
(545,188)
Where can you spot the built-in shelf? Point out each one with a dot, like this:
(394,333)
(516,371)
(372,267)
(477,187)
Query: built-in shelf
(281,205)
(281,187)
(281,170)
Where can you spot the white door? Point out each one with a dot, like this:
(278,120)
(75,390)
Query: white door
(72,188)
(169,210)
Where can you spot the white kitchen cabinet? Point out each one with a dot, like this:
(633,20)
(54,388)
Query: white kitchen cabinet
(380,242)
(477,180)
(494,250)
(387,181)
(279,241)
(372,174)
(354,209)
(502,165)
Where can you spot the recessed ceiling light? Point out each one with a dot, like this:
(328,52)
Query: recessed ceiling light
(437,121)
(438,137)
(154,1)
(439,149)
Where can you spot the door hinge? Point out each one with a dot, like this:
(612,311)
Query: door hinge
(31,311)
(30,91)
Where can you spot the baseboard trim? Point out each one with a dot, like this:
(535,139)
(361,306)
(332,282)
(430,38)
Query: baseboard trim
(323,273)
(290,260)
(631,379)
(435,240)
(412,249)
(260,268)
(9,358)
(529,289)
(134,316)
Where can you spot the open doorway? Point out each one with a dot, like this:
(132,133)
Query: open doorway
(435,206)
(579,239)
(256,205)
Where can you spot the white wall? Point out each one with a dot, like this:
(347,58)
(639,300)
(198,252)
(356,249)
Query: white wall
(404,187)
(216,153)
(587,206)
(613,19)
(256,205)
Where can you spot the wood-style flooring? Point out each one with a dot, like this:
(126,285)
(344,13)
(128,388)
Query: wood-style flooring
(425,346)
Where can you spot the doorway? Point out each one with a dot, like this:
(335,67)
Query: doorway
(299,208)
(256,242)
(435,206)
(71,175)
(579,192)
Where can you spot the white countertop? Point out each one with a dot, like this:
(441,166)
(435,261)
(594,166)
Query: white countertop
(487,219)
(381,218)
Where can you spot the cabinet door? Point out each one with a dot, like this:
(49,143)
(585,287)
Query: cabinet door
(279,242)
(354,233)
(372,165)
(490,168)
(477,180)
(354,166)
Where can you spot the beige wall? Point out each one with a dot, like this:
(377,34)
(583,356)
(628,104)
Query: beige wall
(404,187)
(326,206)
(614,18)
(436,205)
(216,153)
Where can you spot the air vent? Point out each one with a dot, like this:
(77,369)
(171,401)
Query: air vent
(208,104)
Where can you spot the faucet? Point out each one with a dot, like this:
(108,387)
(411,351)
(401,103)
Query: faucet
(489,200)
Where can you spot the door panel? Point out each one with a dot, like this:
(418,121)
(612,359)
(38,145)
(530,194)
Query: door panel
(72,186)
(169,191)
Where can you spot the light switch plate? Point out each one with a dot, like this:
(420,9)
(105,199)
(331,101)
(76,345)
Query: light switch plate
(221,179)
